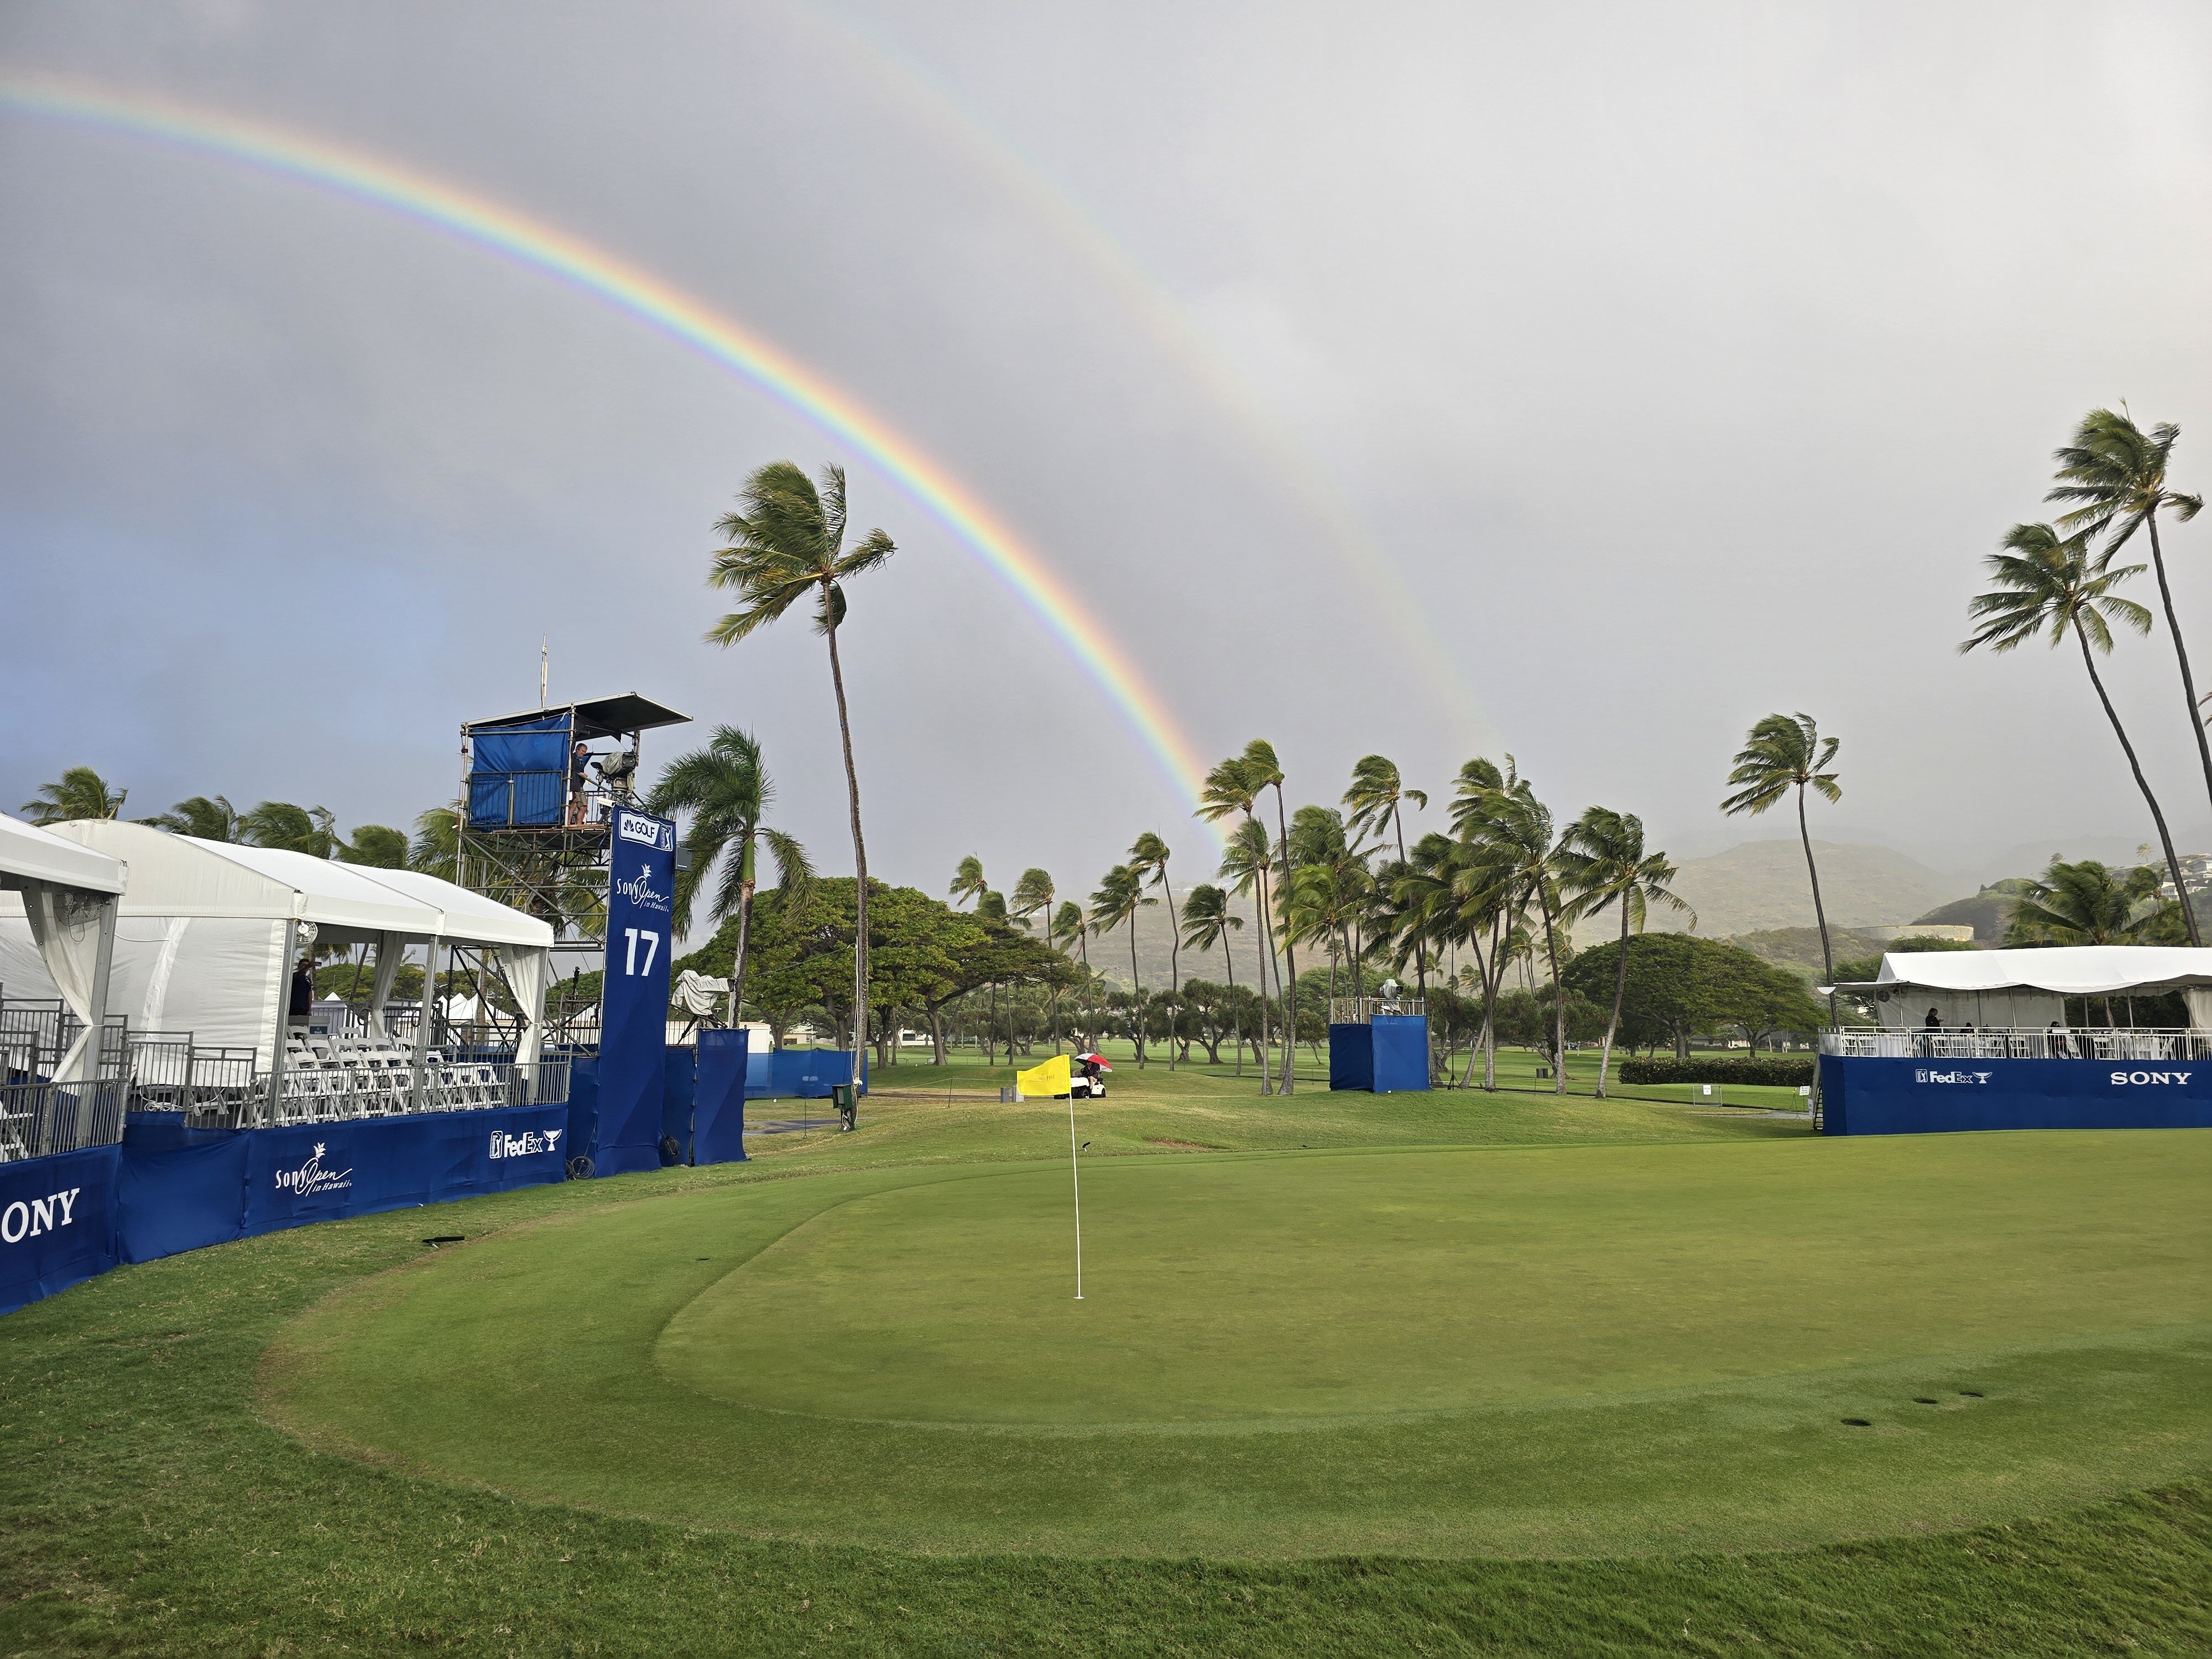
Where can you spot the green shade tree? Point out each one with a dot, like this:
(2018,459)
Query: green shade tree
(1784,753)
(725,790)
(786,543)
(2046,581)
(1602,862)
(2114,474)
(80,793)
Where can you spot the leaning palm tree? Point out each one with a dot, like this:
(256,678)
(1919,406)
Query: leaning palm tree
(436,849)
(2087,903)
(1121,895)
(81,793)
(1230,788)
(1148,857)
(1511,863)
(1602,861)
(2047,582)
(727,791)
(2115,473)
(786,542)
(968,881)
(1033,896)
(1207,920)
(1377,796)
(1262,771)
(280,823)
(203,817)
(1070,927)
(1779,755)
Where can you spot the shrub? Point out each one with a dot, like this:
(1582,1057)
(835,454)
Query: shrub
(1779,1071)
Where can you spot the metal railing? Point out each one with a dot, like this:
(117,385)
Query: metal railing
(1361,1010)
(2053,1042)
(39,1118)
(317,1091)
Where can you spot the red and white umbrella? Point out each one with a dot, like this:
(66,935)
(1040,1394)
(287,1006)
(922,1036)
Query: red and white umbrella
(1099,1061)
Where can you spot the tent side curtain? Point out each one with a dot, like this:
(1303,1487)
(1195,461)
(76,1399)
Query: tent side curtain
(538,745)
(64,926)
(528,969)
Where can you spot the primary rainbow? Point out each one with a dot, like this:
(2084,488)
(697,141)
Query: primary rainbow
(675,314)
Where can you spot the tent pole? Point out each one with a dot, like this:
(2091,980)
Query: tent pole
(283,1023)
(423,1025)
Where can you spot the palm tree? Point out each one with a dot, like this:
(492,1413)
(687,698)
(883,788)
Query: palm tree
(788,541)
(1245,860)
(202,817)
(1148,857)
(1207,921)
(2087,903)
(1070,927)
(1121,895)
(82,792)
(1263,771)
(436,849)
(2115,472)
(1602,861)
(378,846)
(1781,754)
(727,791)
(1511,862)
(1033,896)
(968,881)
(1377,794)
(2045,581)
(279,823)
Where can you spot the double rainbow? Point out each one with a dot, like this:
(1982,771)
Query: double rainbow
(542,248)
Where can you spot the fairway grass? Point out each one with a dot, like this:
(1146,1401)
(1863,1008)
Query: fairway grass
(585,1497)
(1564,1351)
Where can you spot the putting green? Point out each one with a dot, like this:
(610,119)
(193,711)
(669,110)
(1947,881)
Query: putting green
(1545,1351)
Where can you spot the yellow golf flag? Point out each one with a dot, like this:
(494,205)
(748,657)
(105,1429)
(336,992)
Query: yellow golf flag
(1046,1082)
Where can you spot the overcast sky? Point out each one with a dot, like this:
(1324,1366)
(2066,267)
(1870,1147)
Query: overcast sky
(1583,384)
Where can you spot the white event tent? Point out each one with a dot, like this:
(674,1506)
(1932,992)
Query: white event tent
(63,898)
(2025,990)
(207,932)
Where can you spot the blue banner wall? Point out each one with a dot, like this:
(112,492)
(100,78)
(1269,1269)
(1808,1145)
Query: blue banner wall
(718,1102)
(1389,1056)
(56,1223)
(679,1082)
(1909,1097)
(633,1005)
(178,1188)
(801,1073)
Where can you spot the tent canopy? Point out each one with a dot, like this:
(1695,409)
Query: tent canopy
(181,875)
(30,854)
(2067,970)
(594,717)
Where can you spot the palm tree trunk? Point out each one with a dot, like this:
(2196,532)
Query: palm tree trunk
(1290,957)
(1175,967)
(744,926)
(2165,837)
(859,846)
(2181,656)
(1137,1000)
(1558,997)
(1619,995)
(991,1029)
(1820,916)
(1236,1023)
(1263,936)
(1420,945)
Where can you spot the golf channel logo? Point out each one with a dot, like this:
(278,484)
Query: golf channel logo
(22,1220)
(526,1145)
(647,832)
(312,1177)
(1922,1075)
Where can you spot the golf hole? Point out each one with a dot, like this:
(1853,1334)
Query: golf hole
(445,1238)
(1857,1423)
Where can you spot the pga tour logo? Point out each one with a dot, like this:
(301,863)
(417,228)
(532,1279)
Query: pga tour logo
(504,1145)
(2124,1077)
(648,832)
(20,1220)
(1922,1075)
(312,1177)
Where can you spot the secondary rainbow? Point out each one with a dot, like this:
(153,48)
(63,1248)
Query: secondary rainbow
(542,248)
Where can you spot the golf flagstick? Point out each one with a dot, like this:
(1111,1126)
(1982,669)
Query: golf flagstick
(1075,1174)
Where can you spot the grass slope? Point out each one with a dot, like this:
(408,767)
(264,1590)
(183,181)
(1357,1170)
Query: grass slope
(149,1508)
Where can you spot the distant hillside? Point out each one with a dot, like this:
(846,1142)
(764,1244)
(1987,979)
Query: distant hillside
(1760,885)
(1799,948)
(1986,913)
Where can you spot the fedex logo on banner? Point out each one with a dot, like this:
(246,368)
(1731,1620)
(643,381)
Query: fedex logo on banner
(527,1144)
(20,1220)
(647,832)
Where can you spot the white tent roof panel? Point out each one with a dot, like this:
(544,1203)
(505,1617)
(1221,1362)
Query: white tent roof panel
(40,856)
(2071,970)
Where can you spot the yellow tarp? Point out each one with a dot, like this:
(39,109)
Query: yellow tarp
(1045,1082)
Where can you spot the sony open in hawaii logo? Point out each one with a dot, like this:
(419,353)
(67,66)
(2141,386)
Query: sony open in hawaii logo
(312,1177)
(641,891)
(526,1145)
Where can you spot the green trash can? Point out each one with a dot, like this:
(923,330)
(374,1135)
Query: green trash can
(841,1097)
